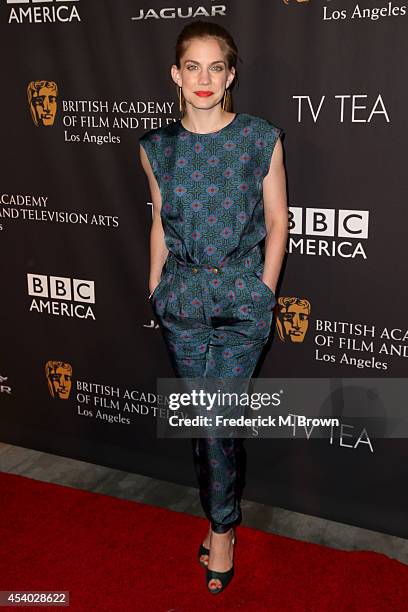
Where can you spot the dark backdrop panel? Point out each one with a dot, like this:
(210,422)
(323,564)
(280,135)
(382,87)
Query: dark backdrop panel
(80,210)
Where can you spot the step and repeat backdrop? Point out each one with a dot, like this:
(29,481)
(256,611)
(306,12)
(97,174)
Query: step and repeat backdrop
(81,350)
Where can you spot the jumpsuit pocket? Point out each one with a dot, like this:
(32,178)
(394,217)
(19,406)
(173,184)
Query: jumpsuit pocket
(157,288)
(263,288)
(271,293)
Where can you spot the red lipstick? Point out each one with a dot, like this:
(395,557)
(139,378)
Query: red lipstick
(204,93)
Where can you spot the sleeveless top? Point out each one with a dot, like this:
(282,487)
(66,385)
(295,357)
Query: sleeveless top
(211,187)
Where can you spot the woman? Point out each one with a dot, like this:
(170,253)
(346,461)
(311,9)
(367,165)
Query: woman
(218,188)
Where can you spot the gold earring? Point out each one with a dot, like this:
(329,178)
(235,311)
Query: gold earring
(223,100)
(180,102)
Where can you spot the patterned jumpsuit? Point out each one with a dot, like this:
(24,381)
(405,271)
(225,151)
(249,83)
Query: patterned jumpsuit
(213,308)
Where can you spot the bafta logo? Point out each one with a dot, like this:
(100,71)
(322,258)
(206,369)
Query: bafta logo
(59,378)
(292,318)
(42,100)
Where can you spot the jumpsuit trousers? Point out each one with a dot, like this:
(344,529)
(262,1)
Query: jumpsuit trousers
(216,322)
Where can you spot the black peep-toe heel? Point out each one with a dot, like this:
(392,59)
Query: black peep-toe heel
(224,577)
(202,551)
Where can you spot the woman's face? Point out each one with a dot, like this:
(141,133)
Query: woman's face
(203,70)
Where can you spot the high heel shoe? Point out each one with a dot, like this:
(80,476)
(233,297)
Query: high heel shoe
(224,577)
(203,551)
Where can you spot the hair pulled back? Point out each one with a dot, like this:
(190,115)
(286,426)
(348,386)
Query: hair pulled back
(208,29)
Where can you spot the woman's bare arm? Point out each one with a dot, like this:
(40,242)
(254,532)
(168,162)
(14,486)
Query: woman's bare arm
(158,249)
(276,217)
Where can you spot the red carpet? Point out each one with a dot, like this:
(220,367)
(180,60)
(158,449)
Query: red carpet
(114,554)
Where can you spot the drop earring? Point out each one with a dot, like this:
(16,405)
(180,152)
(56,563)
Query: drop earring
(223,100)
(180,100)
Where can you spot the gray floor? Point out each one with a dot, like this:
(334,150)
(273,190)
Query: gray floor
(82,475)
